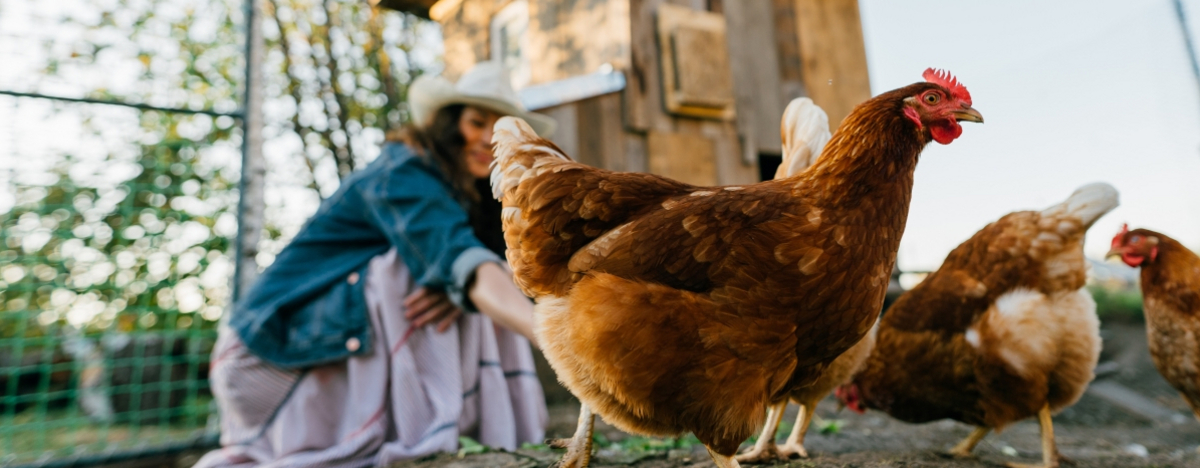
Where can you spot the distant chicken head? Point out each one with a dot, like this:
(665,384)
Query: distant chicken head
(848,396)
(939,107)
(1134,247)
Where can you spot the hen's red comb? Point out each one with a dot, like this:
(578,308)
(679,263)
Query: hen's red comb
(947,80)
(1120,237)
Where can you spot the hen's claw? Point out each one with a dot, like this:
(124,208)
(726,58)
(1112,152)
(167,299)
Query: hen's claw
(965,448)
(579,447)
(788,451)
(760,454)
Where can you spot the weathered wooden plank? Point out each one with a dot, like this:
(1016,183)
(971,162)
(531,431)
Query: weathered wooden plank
(601,136)
(567,134)
(684,157)
(754,60)
(791,74)
(694,62)
(465,31)
(833,56)
(568,39)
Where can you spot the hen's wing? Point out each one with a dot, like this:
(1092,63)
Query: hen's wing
(805,131)
(554,206)
(697,238)
(1041,250)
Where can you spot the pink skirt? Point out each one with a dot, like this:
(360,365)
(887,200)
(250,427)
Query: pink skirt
(403,400)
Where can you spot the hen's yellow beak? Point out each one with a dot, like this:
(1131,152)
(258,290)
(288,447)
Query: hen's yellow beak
(969,114)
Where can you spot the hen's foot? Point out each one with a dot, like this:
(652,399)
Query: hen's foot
(787,451)
(764,451)
(1032,465)
(965,448)
(579,447)
(760,454)
(1050,454)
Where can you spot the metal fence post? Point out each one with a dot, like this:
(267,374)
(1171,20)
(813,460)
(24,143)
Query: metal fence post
(250,193)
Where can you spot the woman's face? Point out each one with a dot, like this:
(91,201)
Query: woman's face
(476,128)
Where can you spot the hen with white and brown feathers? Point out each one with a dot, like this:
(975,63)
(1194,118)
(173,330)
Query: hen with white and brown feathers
(667,308)
(1002,331)
(804,130)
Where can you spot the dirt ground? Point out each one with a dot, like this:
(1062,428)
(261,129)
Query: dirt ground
(1096,432)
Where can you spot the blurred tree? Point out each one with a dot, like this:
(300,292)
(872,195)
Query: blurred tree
(146,250)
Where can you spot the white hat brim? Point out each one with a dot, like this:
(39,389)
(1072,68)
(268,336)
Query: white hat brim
(428,94)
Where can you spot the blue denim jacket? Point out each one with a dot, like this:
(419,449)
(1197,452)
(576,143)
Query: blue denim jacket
(308,307)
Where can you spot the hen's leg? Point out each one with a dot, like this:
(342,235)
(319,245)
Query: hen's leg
(579,447)
(964,448)
(795,440)
(1049,448)
(764,450)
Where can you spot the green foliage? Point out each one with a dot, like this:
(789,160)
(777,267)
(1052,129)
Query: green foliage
(1117,304)
(829,426)
(468,446)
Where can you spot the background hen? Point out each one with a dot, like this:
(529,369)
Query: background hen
(1003,330)
(804,130)
(1171,296)
(668,308)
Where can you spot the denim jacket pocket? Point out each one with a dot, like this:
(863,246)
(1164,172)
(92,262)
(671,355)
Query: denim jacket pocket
(322,324)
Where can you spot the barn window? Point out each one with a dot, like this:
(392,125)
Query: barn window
(509,42)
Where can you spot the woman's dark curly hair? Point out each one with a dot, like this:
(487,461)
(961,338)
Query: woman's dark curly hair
(442,143)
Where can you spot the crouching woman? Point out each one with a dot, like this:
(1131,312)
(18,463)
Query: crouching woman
(360,345)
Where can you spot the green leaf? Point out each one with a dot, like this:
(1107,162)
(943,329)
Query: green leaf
(468,446)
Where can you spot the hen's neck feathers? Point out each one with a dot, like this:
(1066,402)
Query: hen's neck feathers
(1173,275)
(874,149)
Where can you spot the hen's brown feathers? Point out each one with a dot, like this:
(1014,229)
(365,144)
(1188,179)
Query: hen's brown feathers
(1171,290)
(1001,328)
(668,307)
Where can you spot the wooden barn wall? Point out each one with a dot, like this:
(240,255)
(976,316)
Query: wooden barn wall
(566,38)
(833,57)
(591,131)
(791,73)
(674,137)
(572,38)
(779,50)
(465,31)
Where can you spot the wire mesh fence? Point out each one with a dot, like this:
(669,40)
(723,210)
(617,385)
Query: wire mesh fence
(117,224)
(114,270)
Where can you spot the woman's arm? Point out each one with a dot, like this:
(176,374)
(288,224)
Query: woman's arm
(495,295)
(492,292)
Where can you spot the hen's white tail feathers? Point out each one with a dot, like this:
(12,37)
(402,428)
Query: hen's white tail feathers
(805,131)
(512,136)
(1088,203)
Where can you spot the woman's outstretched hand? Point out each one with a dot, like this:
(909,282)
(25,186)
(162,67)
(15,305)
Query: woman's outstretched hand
(427,306)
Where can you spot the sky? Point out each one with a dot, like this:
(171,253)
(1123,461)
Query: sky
(1072,92)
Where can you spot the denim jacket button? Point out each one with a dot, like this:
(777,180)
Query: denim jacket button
(353,344)
(353,278)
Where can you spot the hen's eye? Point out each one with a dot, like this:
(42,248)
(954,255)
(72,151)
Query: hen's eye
(931,98)
(1135,240)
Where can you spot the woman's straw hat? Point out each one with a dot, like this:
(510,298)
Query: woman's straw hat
(485,85)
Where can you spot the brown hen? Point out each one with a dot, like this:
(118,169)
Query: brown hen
(668,308)
(1002,331)
(804,131)
(1171,295)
